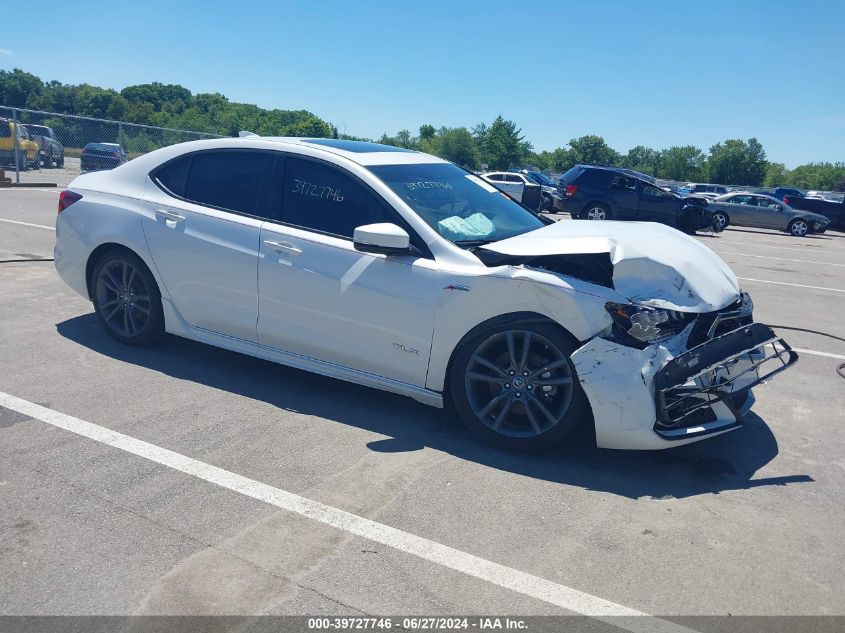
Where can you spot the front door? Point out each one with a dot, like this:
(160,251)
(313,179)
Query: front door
(321,298)
(657,205)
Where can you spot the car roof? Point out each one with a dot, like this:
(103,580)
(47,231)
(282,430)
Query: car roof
(361,152)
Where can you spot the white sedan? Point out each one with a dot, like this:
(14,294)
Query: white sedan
(401,271)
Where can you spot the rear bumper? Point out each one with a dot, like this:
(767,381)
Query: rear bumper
(665,395)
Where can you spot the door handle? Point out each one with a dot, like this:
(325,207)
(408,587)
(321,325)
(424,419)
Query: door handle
(284,247)
(168,215)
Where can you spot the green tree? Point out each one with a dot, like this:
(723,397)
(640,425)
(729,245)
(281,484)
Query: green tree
(591,150)
(737,162)
(776,174)
(643,159)
(427,132)
(458,145)
(681,163)
(17,88)
(503,145)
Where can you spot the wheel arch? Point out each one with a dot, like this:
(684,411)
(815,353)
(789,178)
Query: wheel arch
(105,247)
(498,321)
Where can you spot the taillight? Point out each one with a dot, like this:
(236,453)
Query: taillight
(114,155)
(570,190)
(67,198)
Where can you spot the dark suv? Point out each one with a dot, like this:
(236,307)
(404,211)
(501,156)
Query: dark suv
(612,193)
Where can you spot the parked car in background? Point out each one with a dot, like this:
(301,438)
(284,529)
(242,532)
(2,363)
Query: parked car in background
(834,210)
(511,183)
(399,270)
(548,188)
(51,151)
(782,192)
(746,208)
(704,189)
(609,193)
(96,156)
(28,153)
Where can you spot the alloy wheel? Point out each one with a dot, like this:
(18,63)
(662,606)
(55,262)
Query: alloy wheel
(719,221)
(122,298)
(799,228)
(596,213)
(519,383)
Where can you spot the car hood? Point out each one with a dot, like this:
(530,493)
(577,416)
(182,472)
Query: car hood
(652,264)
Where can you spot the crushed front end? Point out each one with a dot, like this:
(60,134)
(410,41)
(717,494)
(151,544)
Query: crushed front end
(660,378)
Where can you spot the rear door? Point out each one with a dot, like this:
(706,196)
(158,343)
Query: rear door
(203,228)
(656,205)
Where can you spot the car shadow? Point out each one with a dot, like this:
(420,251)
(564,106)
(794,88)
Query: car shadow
(723,463)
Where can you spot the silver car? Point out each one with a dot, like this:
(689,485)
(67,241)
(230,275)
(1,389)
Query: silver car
(745,208)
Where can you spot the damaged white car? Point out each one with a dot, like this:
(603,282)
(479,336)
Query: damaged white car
(401,271)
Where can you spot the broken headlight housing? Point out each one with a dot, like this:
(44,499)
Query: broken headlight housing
(643,325)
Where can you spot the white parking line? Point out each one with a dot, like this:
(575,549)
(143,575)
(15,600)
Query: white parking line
(783,283)
(469,564)
(37,226)
(813,352)
(783,259)
(806,250)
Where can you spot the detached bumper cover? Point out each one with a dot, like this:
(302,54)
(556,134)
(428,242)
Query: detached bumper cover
(720,370)
(666,395)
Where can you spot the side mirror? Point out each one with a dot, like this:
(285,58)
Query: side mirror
(384,238)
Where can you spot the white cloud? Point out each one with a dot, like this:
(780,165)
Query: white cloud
(6,51)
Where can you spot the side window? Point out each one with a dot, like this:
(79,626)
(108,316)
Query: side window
(623,182)
(741,200)
(513,178)
(174,176)
(229,179)
(654,192)
(496,177)
(5,129)
(322,198)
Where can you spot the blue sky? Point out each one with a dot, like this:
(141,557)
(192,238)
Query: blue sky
(650,73)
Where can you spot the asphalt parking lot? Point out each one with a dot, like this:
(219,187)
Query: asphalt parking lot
(747,523)
(60,176)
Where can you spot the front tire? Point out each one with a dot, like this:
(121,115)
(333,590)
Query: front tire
(126,299)
(720,221)
(515,386)
(798,227)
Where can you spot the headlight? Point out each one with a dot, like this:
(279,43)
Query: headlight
(647,325)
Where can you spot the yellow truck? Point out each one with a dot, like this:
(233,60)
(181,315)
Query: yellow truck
(27,149)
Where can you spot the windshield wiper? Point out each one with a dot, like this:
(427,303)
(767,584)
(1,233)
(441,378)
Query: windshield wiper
(470,243)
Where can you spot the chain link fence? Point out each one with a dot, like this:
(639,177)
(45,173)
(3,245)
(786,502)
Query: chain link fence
(48,148)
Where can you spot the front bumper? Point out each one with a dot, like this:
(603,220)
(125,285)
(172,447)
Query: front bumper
(667,395)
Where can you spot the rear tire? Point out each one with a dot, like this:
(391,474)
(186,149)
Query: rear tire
(515,387)
(126,298)
(596,211)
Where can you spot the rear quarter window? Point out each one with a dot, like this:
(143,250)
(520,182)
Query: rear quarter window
(595,178)
(173,176)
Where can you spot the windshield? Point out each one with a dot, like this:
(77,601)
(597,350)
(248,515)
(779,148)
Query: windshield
(541,179)
(460,206)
